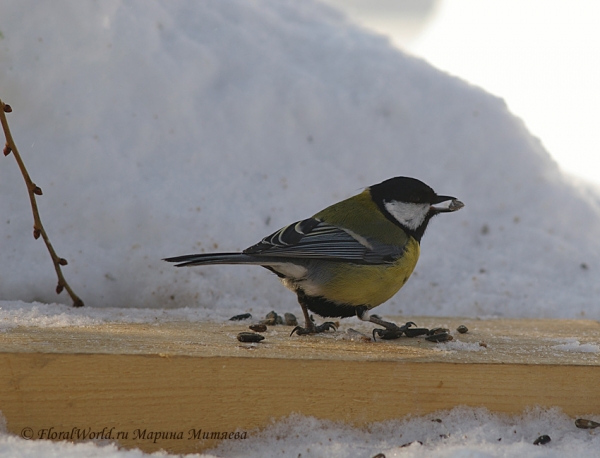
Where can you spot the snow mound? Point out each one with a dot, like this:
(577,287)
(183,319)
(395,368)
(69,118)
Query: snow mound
(164,128)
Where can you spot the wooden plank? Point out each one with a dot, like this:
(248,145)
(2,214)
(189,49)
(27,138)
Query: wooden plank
(179,382)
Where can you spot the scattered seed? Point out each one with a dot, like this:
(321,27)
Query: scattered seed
(270,319)
(438,331)
(408,444)
(354,335)
(249,337)
(441,337)
(586,424)
(462,329)
(260,327)
(243,316)
(542,440)
(290,319)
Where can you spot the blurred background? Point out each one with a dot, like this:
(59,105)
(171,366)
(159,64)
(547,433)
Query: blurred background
(540,56)
(163,128)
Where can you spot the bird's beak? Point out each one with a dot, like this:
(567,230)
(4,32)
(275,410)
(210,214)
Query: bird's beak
(454,204)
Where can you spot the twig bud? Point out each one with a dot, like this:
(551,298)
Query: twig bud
(78,303)
(38,229)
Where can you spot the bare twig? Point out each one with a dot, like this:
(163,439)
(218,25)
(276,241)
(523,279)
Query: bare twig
(34,190)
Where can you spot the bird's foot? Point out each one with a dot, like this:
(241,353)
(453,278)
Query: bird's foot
(311,328)
(393,331)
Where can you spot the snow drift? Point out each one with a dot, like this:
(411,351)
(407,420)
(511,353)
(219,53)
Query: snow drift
(157,129)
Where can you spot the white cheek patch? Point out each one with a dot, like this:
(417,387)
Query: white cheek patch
(408,214)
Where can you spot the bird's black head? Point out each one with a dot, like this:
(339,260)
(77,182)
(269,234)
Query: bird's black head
(409,203)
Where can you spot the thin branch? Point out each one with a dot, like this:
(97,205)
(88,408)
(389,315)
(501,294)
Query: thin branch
(33,190)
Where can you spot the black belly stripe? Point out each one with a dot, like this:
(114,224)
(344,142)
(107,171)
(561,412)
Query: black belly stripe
(326,308)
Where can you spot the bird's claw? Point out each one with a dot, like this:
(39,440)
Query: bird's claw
(328,325)
(393,331)
(416,332)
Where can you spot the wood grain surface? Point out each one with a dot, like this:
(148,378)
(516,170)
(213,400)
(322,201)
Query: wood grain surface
(184,387)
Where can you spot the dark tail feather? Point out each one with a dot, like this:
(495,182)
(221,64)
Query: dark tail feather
(215,258)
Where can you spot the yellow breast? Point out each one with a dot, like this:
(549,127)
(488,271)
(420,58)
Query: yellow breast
(372,285)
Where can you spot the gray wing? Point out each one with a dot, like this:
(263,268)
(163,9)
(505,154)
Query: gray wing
(314,239)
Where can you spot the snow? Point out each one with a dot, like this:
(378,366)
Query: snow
(457,433)
(572,344)
(457,345)
(36,314)
(185,128)
(443,434)
(164,128)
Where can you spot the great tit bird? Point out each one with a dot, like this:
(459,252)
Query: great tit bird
(349,257)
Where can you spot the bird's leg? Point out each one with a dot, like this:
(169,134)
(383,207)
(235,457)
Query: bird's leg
(311,328)
(308,322)
(391,331)
(362,312)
